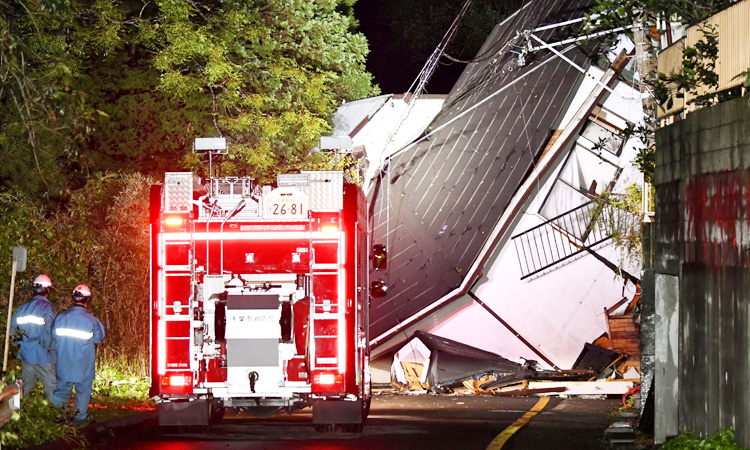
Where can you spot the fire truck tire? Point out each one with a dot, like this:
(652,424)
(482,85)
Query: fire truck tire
(352,427)
(324,427)
(217,413)
(366,409)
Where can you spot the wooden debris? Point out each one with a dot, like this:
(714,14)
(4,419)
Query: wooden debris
(474,385)
(526,391)
(413,372)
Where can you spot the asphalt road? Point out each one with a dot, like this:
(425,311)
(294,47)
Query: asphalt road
(405,422)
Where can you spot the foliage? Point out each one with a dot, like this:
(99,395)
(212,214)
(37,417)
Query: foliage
(344,162)
(697,76)
(37,422)
(722,440)
(86,85)
(745,82)
(621,216)
(101,239)
(609,14)
(44,121)
(119,380)
(616,412)
(645,161)
(118,390)
(272,72)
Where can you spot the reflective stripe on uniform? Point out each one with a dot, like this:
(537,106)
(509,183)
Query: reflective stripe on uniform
(30,319)
(72,332)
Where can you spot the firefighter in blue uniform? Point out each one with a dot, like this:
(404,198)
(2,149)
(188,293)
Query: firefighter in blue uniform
(76,332)
(37,355)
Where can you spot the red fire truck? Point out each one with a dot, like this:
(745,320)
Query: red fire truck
(259,298)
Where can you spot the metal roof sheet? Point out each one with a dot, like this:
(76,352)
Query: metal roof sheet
(436,202)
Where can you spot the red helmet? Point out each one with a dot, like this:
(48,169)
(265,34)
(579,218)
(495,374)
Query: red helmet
(81,293)
(42,284)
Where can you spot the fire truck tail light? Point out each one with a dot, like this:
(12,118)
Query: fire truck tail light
(328,379)
(174,380)
(174,221)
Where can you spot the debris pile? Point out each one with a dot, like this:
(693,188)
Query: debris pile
(432,363)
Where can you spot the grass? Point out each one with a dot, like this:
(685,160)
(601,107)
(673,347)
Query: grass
(119,390)
(722,440)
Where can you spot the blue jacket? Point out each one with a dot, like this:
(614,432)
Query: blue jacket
(75,332)
(35,318)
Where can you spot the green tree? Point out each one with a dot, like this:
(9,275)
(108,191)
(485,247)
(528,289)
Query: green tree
(100,239)
(697,73)
(273,72)
(612,14)
(44,120)
(91,85)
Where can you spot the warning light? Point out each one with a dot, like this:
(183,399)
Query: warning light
(173,221)
(379,257)
(328,379)
(174,380)
(329,228)
(378,289)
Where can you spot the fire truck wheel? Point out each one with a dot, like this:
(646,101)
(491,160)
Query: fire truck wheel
(324,427)
(351,427)
(366,408)
(217,413)
(340,427)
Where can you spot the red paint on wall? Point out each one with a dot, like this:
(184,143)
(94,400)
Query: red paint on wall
(716,227)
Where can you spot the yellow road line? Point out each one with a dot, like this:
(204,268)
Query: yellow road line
(503,437)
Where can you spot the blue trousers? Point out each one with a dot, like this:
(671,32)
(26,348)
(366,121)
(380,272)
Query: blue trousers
(80,401)
(31,373)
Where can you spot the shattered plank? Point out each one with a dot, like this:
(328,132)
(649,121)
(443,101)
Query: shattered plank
(527,391)
(611,387)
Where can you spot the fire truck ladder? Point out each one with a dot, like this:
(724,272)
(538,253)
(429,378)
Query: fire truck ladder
(327,314)
(566,236)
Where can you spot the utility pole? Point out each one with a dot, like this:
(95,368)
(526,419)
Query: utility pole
(645,60)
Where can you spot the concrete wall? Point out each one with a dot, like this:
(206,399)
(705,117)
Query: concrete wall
(702,264)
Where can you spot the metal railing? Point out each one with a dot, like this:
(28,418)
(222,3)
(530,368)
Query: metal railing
(567,235)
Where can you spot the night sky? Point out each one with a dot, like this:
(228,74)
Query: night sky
(394,69)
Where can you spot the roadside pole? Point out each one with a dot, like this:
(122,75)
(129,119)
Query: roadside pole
(19,264)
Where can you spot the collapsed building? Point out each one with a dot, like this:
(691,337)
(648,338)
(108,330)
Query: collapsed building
(493,213)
